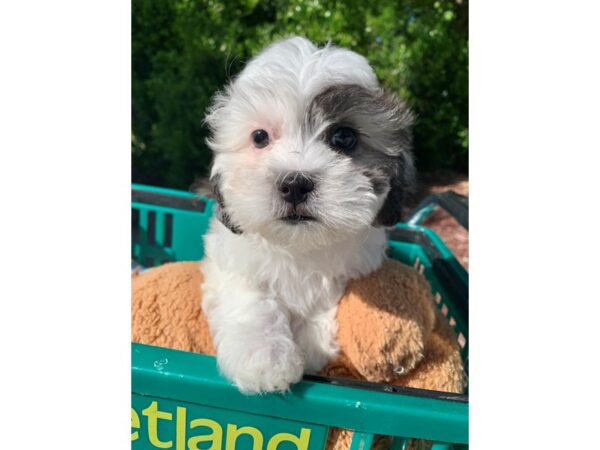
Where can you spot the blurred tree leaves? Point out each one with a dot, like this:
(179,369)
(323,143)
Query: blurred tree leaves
(184,50)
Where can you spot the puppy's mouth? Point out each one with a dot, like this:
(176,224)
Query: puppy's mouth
(295,218)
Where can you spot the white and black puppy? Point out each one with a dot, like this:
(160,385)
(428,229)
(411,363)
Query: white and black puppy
(311,160)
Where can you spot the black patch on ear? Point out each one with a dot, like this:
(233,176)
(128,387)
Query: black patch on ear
(401,187)
(221,214)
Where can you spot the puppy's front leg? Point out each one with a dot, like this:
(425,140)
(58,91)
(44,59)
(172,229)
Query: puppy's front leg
(251,333)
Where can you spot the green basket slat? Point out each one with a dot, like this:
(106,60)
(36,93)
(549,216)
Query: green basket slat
(361,441)
(399,443)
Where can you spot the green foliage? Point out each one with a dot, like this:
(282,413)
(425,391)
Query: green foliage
(184,50)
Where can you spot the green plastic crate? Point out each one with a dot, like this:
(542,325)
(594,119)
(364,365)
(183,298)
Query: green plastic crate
(180,401)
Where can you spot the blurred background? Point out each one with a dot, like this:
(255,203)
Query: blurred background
(185,50)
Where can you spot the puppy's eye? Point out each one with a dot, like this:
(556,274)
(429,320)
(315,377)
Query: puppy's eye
(343,139)
(260,138)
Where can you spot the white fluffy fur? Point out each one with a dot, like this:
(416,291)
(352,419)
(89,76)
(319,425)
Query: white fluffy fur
(270,293)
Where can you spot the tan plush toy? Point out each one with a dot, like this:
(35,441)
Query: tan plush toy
(388,328)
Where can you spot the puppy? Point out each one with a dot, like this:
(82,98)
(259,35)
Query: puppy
(311,160)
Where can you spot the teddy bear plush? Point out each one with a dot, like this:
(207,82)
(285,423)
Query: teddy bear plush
(389,329)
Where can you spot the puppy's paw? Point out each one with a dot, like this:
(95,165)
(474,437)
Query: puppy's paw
(271,367)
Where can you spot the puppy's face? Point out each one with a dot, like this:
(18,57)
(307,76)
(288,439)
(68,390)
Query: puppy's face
(307,148)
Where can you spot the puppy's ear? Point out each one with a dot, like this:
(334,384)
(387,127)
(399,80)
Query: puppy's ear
(398,132)
(402,182)
(214,185)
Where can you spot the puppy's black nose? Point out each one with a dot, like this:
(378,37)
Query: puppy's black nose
(295,187)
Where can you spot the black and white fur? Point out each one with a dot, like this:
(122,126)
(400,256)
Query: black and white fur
(274,269)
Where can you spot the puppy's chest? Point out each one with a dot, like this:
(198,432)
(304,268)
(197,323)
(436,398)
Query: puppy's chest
(304,294)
